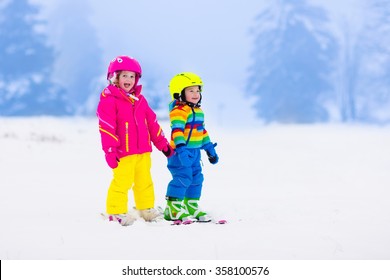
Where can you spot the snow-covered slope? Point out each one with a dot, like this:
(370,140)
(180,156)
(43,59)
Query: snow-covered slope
(288,192)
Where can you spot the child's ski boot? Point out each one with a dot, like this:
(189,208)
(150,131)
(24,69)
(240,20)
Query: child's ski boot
(150,215)
(191,204)
(126,219)
(174,211)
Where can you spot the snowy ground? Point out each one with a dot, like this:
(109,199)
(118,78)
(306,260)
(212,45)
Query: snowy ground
(288,192)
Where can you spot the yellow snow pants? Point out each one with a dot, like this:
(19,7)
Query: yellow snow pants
(133,172)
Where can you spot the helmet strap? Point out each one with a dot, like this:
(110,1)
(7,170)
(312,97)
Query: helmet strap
(200,100)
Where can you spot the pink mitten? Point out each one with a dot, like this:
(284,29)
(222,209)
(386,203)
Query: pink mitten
(112,158)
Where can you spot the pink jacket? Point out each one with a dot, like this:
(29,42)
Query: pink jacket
(126,124)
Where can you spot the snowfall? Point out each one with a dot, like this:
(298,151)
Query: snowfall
(288,192)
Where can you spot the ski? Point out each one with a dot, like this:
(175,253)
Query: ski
(188,222)
(179,222)
(220,222)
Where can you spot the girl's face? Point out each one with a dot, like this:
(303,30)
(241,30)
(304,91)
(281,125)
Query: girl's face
(126,80)
(192,94)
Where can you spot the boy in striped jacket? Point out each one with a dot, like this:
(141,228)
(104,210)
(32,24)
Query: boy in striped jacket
(188,137)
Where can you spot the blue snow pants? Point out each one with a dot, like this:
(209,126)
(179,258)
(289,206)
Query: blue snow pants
(186,181)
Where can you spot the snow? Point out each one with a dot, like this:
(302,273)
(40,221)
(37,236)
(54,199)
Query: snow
(293,192)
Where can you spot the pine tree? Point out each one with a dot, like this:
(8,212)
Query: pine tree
(292,63)
(26,64)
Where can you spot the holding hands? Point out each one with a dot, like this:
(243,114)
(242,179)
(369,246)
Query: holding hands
(168,151)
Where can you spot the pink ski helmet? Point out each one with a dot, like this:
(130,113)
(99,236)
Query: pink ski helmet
(123,63)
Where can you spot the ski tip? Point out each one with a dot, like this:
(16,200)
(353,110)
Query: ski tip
(221,222)
(180,222)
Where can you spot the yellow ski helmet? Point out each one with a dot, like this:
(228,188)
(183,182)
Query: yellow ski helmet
(179,82)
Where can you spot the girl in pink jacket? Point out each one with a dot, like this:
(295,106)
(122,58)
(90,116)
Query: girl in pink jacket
(127,127)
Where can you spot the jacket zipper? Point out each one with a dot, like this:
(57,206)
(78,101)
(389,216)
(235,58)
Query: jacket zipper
(146,124)
(136,124)
(192,125)
(127,137)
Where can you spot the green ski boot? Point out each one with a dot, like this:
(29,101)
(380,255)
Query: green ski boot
(191,204)
(175,210)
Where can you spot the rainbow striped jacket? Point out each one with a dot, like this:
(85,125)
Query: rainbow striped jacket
(187,124)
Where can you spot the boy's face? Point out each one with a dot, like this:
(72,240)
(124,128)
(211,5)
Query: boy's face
(126,80)
(192,94)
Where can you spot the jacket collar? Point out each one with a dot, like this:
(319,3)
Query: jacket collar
(120,93)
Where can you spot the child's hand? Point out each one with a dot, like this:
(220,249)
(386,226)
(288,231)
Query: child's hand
(168,151)
(211,153)
(112,158)
(184,156)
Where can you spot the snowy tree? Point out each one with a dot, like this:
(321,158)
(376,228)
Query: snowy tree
(349,25)
(363,65)
(26,63)
(79,65)
(372,90)
(293,56)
